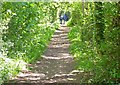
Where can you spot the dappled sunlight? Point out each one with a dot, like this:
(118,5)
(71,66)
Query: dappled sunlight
(31,76)
(56,58)
(58,31)
(55,40)
(56,61)
(57,65)
(62,42)
(60,46)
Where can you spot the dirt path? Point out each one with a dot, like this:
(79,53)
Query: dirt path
(57,64)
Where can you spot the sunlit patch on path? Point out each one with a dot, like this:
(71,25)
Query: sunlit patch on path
(56,65)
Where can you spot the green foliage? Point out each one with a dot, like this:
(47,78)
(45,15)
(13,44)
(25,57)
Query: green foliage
(94,36)
(28,27)
(28,30)
(9,68)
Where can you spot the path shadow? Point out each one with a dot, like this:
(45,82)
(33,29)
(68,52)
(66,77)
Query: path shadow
(57,65)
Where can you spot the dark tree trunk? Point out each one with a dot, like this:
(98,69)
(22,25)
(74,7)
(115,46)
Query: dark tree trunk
(99,18)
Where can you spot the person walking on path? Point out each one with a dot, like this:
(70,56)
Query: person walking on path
(61,18)
(65,18)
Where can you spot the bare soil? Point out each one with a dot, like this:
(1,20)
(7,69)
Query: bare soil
(56,65)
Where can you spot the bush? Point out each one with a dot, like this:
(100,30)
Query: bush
(26,33)
(28,30)
(9,68)
(94,41)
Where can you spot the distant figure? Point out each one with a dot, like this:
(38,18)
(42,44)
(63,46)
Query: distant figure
(61,18)
(65,18)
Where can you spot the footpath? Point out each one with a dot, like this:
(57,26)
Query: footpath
(56,65)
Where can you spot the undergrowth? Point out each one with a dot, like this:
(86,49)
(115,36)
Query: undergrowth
(94,39)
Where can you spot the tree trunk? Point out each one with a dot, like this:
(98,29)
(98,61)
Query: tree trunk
(99,18)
